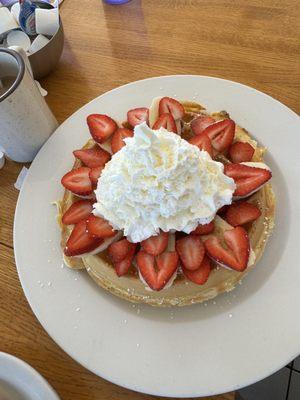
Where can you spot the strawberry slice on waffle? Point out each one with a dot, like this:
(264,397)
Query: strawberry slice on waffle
(248,179)
(236,255)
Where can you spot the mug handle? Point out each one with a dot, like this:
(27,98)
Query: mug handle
(23,54)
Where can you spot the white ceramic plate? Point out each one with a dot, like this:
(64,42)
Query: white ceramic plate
(231,342)
(19,381)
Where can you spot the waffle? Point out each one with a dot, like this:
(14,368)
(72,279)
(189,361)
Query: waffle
(183,292)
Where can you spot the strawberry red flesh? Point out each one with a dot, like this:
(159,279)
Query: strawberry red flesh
(200,275)
(237,254)
(78,211)
(138,115)
(166,121)
(221,134)
(167,105)
(241,152)
(167,264)
(92,158)
(237,239)
(99,227)
(157,276)
(119,250)
(203,142)
(80,242)
(221,211)
(146,265)
(155,245)
(101,127)
(78,181)
(204,229)
(123,266)
(95,175)
(247,179)
(200,123)
(241,213)
(191,251)
(117,141)
(166,258)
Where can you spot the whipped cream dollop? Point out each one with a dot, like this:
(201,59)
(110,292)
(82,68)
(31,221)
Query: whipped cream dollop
(160,181)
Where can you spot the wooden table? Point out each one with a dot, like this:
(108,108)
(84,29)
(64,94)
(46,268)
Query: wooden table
(254,42)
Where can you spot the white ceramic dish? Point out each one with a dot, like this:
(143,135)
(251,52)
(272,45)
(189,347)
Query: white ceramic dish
(207,349)
(19,381)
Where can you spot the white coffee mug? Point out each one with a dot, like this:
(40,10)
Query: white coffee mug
(26,121)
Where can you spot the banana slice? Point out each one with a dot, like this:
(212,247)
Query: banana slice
(73,262)
(153,111)
(106,146)
(171,242)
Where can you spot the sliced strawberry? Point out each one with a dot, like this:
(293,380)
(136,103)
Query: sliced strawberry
(117,141)
(167,264)
(223,210)
(237,254)
(155,245)
(101,127)
(191,251)
(247,179)
(95,175)
(242,213)
(168,257)
(80,241)
(241,152)
(138,115)
(200,275)
(166,121)
(97,226)
(119,250)
(221,134)
(157,279)
(93,198)
(200,123)
(203,142)
(146,266)
(122,267)
(78,211)
(78,181)
(167,105)
(92,158)
(204,229)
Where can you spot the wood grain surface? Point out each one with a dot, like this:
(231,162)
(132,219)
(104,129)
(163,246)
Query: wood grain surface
(250,41)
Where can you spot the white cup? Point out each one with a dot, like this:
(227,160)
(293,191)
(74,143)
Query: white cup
(15,11)
(39,42)
(46,21)
(26,121)
(7,21)
(18,38)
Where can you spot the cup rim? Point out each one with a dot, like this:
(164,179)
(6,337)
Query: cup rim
(20,75)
